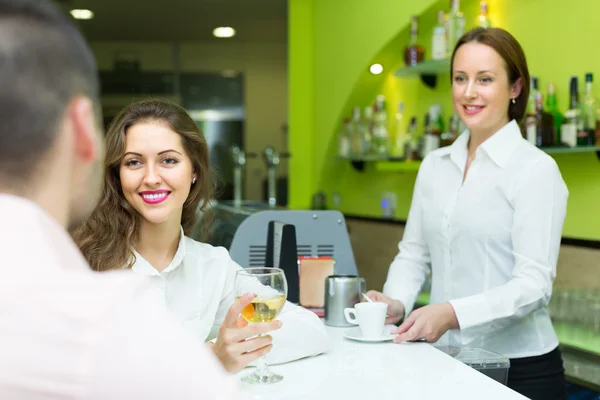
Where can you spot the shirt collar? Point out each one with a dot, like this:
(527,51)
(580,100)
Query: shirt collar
(499,147)
(142,266)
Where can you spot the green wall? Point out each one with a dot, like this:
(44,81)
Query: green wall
(332,44)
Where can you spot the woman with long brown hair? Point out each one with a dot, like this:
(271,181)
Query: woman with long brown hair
(157,178)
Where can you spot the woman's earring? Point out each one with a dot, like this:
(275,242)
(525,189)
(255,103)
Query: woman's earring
(193,180)
(514,101)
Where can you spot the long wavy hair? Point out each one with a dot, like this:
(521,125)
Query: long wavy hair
(106,236)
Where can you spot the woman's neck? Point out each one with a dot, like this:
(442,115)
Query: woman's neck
(158,243)
(478,136)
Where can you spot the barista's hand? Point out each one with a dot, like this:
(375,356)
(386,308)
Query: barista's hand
(237,344)
(395,311)
(428,323)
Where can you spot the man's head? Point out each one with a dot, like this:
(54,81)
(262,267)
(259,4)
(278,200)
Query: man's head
(51,147)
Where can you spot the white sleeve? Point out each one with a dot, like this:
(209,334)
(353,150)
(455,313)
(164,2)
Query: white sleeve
(142,353)
(539,213)
(409,269)
(301,335)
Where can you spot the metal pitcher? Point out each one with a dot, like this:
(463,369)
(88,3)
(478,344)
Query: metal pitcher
(341,291)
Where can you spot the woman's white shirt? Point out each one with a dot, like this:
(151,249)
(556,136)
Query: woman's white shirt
(492,242)
(198,288)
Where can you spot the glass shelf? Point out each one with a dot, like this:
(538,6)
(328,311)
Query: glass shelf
(371,157)
(429,67)
(392,164)
(569,150)
(382,163)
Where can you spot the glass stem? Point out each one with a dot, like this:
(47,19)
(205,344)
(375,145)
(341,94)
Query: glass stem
(261,368)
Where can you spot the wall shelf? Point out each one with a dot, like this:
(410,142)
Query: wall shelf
(427,70)
(395,166)
(399,164)
(572,150)
(382,163)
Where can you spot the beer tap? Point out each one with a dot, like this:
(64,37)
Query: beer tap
(239,162)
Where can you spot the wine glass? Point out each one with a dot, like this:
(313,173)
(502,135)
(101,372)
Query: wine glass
(270,287)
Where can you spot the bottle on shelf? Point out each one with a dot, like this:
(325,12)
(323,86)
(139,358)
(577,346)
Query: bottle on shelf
(568,130)
(539,125)
(433,130)
(590,106)
(380,143)
(552,109)
(483,20)
(598,127)
(572,132)
(456,25)
(411,152)
(345,139)
(448,137)
(414,53)
(439,40)
(401,134)
(533,119)
(575,104)
(356,129)
(366,132)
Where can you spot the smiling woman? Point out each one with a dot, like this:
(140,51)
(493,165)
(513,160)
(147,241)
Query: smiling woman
(157,177)
(150,146)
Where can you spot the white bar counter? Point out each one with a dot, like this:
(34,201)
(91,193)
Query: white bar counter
(379,371)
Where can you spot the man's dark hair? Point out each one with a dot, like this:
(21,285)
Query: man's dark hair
(44,63)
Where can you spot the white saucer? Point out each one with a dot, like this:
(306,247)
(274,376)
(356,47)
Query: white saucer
(356,334)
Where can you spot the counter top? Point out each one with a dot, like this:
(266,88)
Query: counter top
(356,370)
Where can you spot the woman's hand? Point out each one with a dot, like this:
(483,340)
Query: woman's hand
(428,323)
(237,345)
(395,311)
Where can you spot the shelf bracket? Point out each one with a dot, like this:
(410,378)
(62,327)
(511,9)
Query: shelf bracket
(358,165)
(429,80)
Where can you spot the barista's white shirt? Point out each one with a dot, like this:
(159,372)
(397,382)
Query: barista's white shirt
(492,241)
(198,288)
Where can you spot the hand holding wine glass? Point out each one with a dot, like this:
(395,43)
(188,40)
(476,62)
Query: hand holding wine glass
(269,287)
(238,345)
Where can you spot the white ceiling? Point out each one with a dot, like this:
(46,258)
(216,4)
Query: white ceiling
(183,20)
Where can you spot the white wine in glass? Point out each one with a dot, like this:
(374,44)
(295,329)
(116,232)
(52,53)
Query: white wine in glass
(270,287)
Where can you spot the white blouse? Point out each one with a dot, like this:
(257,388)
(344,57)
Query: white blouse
(198,288)
(492,242)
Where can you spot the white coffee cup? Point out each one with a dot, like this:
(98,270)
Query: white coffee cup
(369,316)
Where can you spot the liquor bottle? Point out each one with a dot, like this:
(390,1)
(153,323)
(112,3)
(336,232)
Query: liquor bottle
(345,139)
(414,53)
(411,152)
(456,25)
(598,126)
(439,40)
(552,109)
(366,132)
(590,106)
(575,104)
(380,143)
(400,128)
(448,137)
(533,119)
(483,20)
(433,130)
(571,131)
(356,128)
